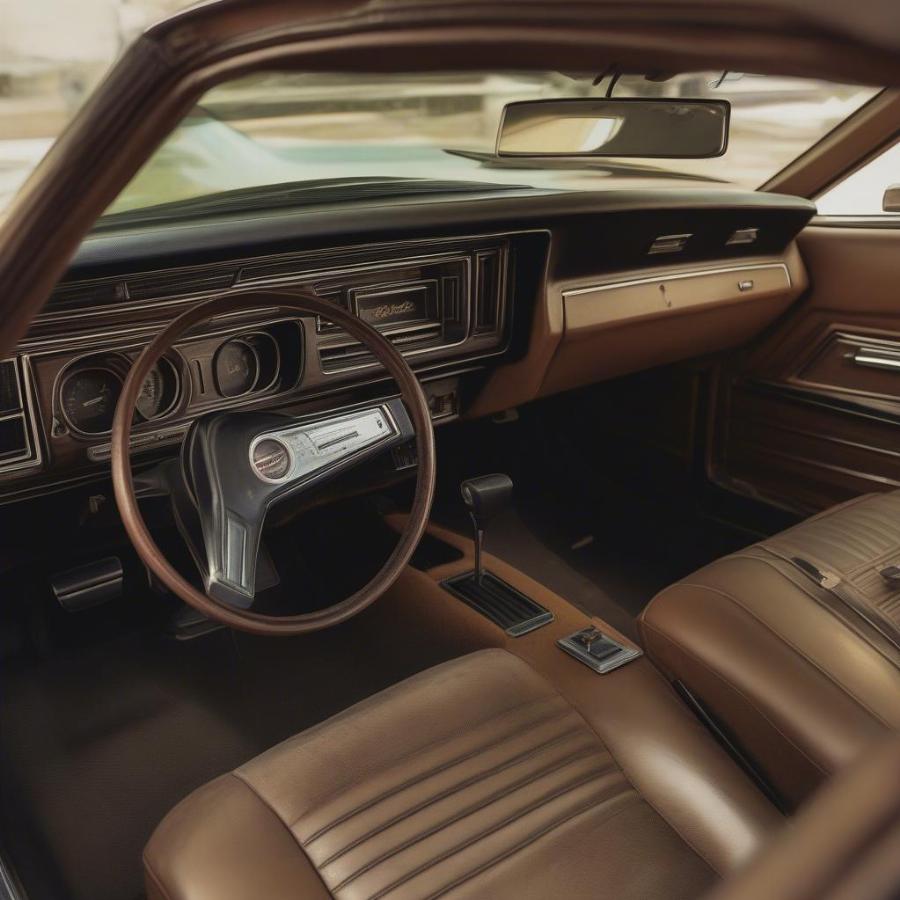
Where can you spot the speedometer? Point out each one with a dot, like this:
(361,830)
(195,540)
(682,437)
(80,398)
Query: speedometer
(89,398)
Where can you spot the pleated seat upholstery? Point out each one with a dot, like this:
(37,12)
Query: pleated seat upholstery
(473,779)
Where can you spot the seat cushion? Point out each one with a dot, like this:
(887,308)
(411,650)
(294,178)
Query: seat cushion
(789,643)
(473,779)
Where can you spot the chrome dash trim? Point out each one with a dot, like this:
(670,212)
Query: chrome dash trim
(694,273)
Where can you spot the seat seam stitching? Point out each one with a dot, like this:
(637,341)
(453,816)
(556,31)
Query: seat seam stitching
(531,807)
(460,786)
(284,824)
(622,768)
(792,646)
(449,764)
(804,589)
(459,848)
(631,795)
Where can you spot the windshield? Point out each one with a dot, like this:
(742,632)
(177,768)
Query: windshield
(333,130)
(330,130)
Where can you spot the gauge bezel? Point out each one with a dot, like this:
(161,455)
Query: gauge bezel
(74,371)
(176,395)
(264,337)
(117,362)
(239,339)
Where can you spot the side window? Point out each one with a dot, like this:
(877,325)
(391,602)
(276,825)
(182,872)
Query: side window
(862,193)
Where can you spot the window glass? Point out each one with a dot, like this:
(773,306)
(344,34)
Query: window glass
(318,129)
(862,193)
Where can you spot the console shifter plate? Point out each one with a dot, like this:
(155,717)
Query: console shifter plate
(500,602)
(598,650)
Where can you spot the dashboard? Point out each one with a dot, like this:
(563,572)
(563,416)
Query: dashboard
(440,304)
(553,296)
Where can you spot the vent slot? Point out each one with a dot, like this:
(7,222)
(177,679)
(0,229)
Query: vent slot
(347,355)
(179,283)
(669,243)
(335,296)
(88,294)
(742,236)
(451,294)
(13,439)
(16,440)
(487,288)
(10,395)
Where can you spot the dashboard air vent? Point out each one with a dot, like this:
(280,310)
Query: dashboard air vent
(10,394)
(16,446)
(742,236)
(669,243)
(487,291)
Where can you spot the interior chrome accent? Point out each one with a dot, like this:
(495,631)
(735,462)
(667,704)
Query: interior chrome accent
(693,273)
(669,243)
(875,358)
(598,650)
(8,884)
(742,236)
(311,447)
(142,441)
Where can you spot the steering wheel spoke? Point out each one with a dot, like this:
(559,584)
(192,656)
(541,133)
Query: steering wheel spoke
(239,465)
(235,466)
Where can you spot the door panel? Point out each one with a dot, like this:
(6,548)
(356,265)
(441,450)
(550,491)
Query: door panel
(810,414)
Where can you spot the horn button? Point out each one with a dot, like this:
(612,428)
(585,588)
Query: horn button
(271,459)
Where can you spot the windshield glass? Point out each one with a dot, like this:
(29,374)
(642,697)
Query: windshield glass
(326,131)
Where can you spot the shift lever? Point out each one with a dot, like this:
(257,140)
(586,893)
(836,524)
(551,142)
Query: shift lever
(485,497)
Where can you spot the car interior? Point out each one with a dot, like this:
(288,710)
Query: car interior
(507,522)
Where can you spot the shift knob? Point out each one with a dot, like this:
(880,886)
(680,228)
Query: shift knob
(485,497)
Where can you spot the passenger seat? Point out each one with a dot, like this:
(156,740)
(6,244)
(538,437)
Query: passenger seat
(792,646)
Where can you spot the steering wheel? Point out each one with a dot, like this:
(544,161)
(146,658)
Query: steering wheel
(235,465)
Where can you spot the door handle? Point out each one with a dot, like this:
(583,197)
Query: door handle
(875,359)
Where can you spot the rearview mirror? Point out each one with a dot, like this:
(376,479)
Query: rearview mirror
(674,129)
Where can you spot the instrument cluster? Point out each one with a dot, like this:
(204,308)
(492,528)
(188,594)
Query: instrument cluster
(89,391)
(89,387)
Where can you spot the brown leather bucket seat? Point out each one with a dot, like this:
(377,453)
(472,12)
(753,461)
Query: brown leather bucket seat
(793,645)
(476,778)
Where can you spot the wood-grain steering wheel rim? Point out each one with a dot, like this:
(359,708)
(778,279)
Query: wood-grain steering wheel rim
(123,484)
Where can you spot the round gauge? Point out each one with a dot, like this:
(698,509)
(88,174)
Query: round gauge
(150,400)
(237,368)
(89,399)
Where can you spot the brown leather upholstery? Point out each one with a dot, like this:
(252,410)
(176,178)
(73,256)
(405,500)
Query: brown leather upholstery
(844,846)
(472,779)
(804,676)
